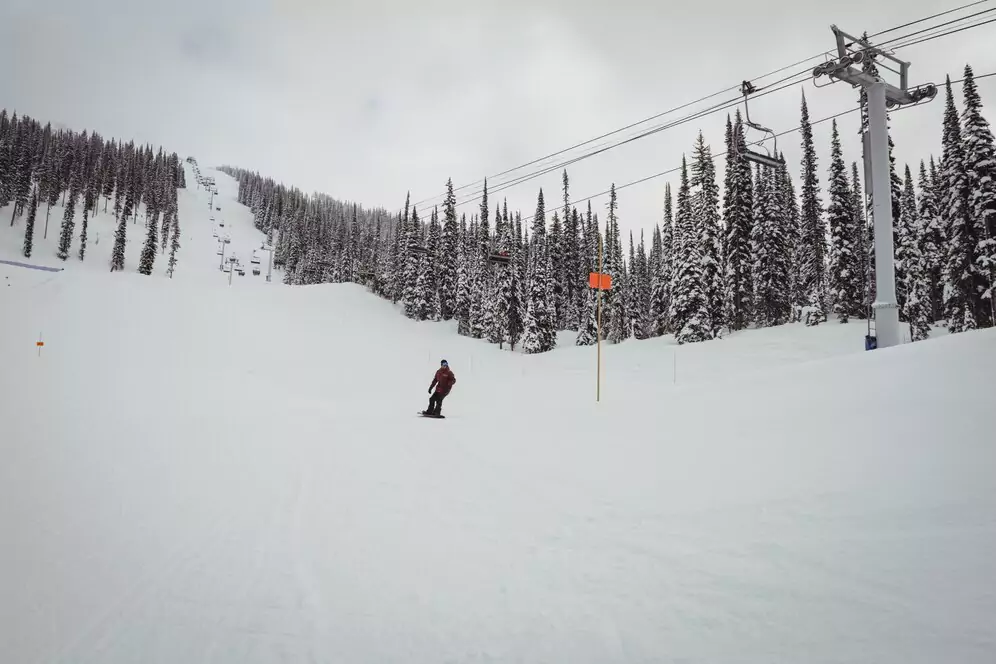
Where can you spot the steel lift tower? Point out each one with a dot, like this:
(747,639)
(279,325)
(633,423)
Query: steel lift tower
(882,96)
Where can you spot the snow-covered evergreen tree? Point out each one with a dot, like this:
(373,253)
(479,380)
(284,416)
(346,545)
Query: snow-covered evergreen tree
(617,325)
(174,246)
(916,306)
(120,238)
(642,322)
(413,247)
(464,280)
(448,257)
(844,271)
(576,278)
(663,293)
(768,246)
(705,211)
(29,227)
(738,204)
(588,328)
(540,334)
(83,229)
(931,243)
(689,304)
(66,236)
(148,258)
(558,274)
(658,303)
(812,247)
(860,240)
(960,276)
(980,172)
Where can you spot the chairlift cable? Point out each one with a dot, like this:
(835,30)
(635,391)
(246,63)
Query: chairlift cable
(723,154)
(713,109)
(439,197)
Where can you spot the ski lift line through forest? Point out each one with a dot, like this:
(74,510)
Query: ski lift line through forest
(701,114)
(723,154)
(441,196)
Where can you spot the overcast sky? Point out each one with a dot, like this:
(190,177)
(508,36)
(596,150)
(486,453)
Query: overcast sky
(366,99)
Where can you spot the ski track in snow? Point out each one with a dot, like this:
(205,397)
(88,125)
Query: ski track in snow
(203,473)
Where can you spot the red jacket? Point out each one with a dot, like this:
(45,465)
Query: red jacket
(443,381)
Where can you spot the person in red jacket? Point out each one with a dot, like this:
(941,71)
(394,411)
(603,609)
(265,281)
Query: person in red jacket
(443,382)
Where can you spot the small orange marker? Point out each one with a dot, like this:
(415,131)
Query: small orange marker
(40,344)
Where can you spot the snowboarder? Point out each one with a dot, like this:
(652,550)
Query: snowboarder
(443,382)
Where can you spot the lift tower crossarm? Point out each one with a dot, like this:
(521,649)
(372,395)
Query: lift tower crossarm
(844,71)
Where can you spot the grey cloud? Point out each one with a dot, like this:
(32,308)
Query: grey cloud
(366,99)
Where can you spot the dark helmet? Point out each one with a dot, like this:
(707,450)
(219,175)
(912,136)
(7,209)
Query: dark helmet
(444,363)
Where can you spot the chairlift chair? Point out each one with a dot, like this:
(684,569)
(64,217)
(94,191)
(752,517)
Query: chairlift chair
(500,257)
(763,158)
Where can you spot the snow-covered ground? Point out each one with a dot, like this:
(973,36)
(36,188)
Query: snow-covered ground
(193,472)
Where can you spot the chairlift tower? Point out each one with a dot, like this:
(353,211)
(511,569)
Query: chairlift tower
(882,96)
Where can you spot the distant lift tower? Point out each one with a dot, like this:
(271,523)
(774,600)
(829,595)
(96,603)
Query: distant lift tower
(852,51)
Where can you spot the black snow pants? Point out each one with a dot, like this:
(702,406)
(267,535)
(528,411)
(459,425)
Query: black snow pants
(435,403)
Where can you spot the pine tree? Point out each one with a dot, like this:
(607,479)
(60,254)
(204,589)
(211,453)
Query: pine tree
(916,307)
(575,279)
(120,237)
(147,261)
(738,204)
(174,245)
(705,211)
(588,330)
(689,304)
(931,243)
(812,250)
(83,232)
(844,269)
(540,334)
(664,295)
(859,240)
(657,303)
(769,248)
(464,281)
(980,172)
(66,236)
(29,226)
(558,275)
(448,257)
(643,323)
(618,328)
(959,269)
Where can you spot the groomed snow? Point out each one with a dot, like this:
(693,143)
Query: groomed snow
(193,472)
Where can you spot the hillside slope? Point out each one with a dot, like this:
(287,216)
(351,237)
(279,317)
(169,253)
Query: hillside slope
(200,473)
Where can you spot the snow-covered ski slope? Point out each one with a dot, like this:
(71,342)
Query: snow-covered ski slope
(193,472)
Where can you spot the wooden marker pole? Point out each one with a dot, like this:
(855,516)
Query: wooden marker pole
(598,326)
(601,282)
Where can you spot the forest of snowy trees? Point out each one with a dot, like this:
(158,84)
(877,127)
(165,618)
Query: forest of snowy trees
(768,253)
(41,168)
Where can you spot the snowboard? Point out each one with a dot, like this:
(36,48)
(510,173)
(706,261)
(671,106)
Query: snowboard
(435,417)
